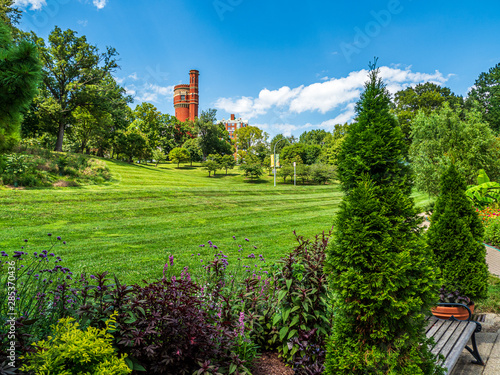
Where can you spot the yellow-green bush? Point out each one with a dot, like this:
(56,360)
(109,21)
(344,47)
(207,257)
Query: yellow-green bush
(72,351)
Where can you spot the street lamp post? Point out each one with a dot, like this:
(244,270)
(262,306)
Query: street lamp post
(282,139)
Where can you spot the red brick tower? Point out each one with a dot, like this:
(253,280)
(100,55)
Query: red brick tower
(186,98)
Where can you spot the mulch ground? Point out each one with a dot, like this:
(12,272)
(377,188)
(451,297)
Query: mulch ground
(270,364)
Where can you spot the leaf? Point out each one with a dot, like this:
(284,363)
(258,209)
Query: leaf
(286,313)
(283,332)
(288,284)
(281,295)
(232,368)
(295,308)
(276,319)
(294,321)
(292,333)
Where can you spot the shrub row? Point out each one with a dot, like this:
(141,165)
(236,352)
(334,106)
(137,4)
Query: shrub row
(39,167)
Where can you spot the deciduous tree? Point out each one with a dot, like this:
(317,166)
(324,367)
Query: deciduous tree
(179,155)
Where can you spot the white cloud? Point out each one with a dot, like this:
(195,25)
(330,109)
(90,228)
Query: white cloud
(153,93)
(83,23)
(100,3)
(133,76)
(325,96)
(35,4)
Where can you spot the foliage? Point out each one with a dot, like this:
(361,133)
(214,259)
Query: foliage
(333,144)
(248,137)
(227,162)
(425,97)
(252,170)
(492,303)
(285,171)
(443,136)
(173,332)
(211,166)
(131,143)
(381,275)
(452,297)
(73,351)
(212,138)
(195,153)
(322,173)
(19,76)
(307,153)
(304,316)
(485,193)
(39,292)
(179,155)
(313,137)
(75,73)
(158,156)
(455,237)
(492,232)
(486,215)
(374,144)
(486,91)
(36,167)
(282,143)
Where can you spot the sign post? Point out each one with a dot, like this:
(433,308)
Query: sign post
(273,159)
(294,173)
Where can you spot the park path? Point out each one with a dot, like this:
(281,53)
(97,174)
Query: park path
(488,339)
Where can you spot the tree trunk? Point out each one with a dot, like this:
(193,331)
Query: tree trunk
(60,136)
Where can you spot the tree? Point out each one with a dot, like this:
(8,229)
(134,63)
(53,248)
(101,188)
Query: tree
(281,144)
(10,15)
(443,136)
(333,144)
(227,162)
(486,91)
(252,170)
(285,172)
(307,153)
(132,143)
(211,166)
(19,77)
(456,238)
(213,138)
(192,146)
(322,173)
(313,137)
(159,156)
(70,66)
(426,97)
(179,155)
(381,274)
(248,137)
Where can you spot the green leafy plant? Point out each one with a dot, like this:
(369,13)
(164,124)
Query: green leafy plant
(71,350)
(303,309)
(492,232)
(485,192)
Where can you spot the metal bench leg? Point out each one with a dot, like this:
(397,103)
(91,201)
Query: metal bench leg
(474,351)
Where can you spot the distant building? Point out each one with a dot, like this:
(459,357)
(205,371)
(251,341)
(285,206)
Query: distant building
(186,98)
(234,124)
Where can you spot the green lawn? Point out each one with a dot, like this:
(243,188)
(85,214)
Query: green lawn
(129,225)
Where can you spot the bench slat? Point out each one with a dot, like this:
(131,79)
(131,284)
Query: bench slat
(449,338)
(460,344)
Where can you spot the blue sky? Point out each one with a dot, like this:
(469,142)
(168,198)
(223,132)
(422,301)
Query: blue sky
(286,66)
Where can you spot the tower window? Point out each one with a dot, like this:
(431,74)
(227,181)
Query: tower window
(183,97)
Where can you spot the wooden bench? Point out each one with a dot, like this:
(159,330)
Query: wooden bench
(451,337)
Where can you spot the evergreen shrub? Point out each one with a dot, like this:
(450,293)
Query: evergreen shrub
(380,272)
(455,237)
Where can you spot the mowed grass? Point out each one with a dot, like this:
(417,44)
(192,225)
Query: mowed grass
(129,225)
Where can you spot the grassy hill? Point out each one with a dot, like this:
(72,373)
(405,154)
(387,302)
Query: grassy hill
(129,225)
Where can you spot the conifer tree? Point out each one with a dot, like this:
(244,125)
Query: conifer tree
(20,72)
(380,270)
(455,237)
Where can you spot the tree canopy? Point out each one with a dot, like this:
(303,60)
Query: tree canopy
(486,91)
